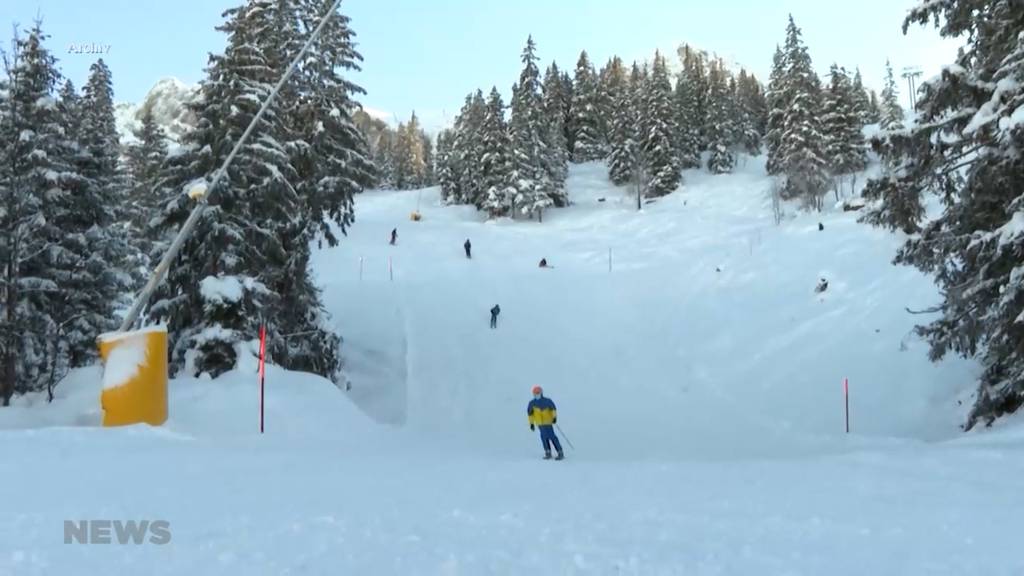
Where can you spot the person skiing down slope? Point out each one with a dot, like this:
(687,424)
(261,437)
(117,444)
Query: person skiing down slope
(541,412)
(468,247)
(494,315)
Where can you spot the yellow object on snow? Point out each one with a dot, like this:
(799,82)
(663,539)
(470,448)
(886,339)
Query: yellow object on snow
(415,217)
(134,377)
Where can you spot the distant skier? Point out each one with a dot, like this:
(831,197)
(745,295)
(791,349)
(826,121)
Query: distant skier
(394,236)
(494,315)
(820,226)
(543,263)
(541,412)
(822,286)
(469,248)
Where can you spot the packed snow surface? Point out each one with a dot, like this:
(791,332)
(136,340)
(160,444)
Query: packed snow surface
(696,371)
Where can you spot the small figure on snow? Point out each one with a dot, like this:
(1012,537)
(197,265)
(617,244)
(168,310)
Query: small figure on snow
(541,412)
(469,248)
(543,263)
(822,286)
(494,315)
(394,236)
(820,226)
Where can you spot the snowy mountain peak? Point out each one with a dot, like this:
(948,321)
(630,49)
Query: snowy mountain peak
(168,99)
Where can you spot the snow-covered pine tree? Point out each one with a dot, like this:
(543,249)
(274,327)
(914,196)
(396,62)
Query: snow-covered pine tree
(892,113)
(401,155)
(94,247)
(719,126)
(144,160)
(412,155)
(658,132)
(530,157)
(844,138)
(861,99)
(309,345)
(688,128)
(98,128)
(610,80)
(69,105)
(638,87)
(556,164)
(587,134)
(553,102)
(467,150)
(567,92)
(966,148)
(238,253)
(751,110)
(429,160)
(557,95)
(445,167)
(457,141)
(733,105)
(874,108)
(496,159)
(33,148)
(410,161)
(383,156)
(777,103)
(331,155)
(801,152)
(623,140)
(331,162)
(695,69)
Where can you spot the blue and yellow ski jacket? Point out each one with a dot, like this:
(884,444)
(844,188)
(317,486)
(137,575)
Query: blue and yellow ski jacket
(541,411)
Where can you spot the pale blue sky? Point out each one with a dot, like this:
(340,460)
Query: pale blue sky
(427,54)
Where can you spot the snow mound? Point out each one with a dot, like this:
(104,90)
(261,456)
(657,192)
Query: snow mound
(297,405)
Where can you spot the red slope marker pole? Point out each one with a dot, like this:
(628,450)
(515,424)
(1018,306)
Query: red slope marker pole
(263,349)
(846,395)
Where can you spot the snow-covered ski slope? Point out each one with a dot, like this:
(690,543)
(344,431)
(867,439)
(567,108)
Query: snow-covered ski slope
(705,339)
(705,407)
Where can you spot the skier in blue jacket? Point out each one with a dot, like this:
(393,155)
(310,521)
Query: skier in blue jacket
(541,412)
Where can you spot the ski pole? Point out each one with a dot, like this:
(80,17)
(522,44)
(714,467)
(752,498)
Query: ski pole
(567,441)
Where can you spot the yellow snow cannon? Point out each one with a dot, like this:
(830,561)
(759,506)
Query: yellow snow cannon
(134,377)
